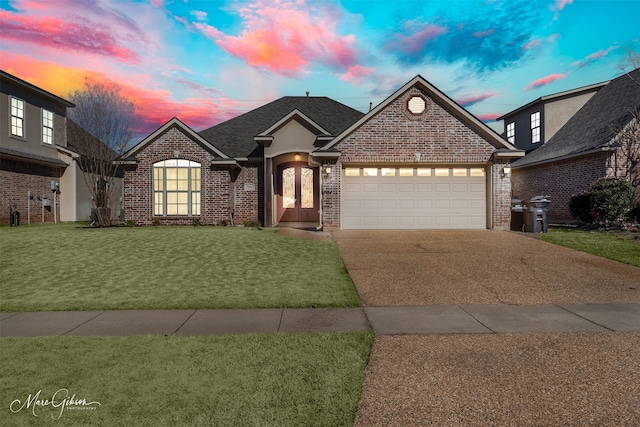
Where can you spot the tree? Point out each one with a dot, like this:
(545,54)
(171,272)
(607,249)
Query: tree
(105,123)
(627,139)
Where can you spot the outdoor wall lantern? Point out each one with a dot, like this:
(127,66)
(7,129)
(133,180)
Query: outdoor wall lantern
(327,169)
(506,171)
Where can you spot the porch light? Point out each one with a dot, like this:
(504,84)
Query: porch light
(506,171)
(297,157)
(327,169)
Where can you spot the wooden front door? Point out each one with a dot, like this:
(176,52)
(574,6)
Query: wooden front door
(298,186)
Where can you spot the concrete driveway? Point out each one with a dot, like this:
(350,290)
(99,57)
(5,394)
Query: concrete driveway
(523,379)
(396,268)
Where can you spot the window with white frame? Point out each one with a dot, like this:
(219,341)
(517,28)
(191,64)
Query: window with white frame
(17,117)
(511,132)
(47,127)
(535,127)
(176,188)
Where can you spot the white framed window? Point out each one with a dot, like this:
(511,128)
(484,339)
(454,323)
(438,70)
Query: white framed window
(17,117)
(535,127)
(176,188)
(511,132)
(47,127)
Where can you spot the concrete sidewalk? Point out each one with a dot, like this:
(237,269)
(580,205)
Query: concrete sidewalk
(421,320)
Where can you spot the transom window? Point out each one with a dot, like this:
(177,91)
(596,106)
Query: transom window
(176,188)
(535,127)
(397,173)
(511,132)
(47,127)
(17,117)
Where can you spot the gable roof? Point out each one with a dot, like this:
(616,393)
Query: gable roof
(465,116)
(35,89)
(236,136)
(554,96)
(594,127)
(174,123)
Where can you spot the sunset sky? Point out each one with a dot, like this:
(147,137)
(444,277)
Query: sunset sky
(207,61)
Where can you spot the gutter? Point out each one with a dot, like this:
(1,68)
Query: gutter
(565,157)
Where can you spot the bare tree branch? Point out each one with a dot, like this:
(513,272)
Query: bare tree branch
(101,126)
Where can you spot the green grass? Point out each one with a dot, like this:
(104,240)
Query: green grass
(606,245)
(228,380)
(67,267)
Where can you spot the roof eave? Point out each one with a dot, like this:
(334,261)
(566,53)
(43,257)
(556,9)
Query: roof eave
(565,157)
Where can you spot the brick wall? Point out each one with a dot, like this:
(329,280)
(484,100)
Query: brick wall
(138,182)
(501,200)
(395,135)
(560,181)
(247,193)
(17,180)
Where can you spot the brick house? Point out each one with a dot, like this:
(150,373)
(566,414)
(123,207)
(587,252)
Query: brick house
(591,145)
(416,161)
(32,144)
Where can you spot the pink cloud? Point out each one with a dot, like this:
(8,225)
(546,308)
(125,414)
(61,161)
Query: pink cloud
(286,37)
(474,99)
(489,117)
(536,84)
(415,42)
(357,74)
(560,4)
(593,57)
(54,33)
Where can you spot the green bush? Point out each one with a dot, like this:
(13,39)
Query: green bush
(611,200)
(196,222)
(252,223)
(580,207)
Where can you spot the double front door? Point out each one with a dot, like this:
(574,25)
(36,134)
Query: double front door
(298,192)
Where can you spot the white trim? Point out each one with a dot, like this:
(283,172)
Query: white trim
(565,157)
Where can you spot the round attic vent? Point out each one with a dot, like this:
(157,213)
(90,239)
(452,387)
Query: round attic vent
(417,105)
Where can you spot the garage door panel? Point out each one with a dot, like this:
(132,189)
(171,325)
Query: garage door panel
(396,201)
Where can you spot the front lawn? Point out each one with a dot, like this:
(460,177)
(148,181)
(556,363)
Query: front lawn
(229,380)
(67,267)
(606,245)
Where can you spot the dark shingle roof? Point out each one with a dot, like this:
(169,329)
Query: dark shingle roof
(595,124)
(235,136)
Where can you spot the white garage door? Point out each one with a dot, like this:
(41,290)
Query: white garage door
(414,198)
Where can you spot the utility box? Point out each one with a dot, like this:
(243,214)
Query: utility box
(517,223)
(535,216)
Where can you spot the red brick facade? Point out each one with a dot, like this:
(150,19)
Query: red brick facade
(560,181)
(138,182)
(436,136)
(17,180)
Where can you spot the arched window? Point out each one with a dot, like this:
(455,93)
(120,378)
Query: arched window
(176,188)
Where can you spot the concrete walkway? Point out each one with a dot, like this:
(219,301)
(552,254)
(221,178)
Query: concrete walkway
(420,320)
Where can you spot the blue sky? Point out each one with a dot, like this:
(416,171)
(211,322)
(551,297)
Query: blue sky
(208,61)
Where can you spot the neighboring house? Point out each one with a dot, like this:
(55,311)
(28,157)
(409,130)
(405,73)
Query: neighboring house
(591,145)
(34,133)
(416,161)
(83,152)
(530,126)
(37,147)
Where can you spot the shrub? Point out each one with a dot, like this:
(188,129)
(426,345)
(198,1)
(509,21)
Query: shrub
(580,207)
(611,200)
(196,222)
(252,223)
(223,223)
(130,223)
(155,222)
